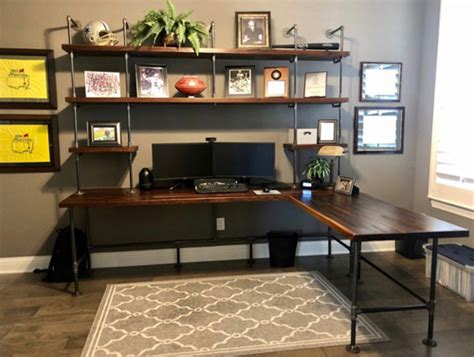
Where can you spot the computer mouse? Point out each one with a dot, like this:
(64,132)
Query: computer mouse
(266,189)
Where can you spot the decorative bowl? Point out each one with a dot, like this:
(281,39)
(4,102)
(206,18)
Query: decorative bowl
(190,85)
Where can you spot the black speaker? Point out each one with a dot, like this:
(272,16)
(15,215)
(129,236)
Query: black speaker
(145,178)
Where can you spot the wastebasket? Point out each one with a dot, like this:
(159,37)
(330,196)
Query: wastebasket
(282,247)
(410,248)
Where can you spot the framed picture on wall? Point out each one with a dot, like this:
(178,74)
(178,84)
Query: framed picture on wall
(327,131)
(240,81)
(378,130)
(152,81)
(102,84)
(275,81)
(27,79)
(29,143)
(104,133)
(253,29)
(380,81)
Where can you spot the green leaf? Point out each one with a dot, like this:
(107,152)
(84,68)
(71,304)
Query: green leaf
(171,9)
(195,42)
(180,33)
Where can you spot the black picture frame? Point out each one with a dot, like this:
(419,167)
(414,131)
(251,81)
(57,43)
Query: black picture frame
(344,185)
(112,135)
(16,77)
(364,131)
(140,81)
(21,135)
(247,87)
(322,138)
(369,83)
(256,37)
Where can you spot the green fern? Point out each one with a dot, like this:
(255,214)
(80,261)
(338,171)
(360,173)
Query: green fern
(317,168)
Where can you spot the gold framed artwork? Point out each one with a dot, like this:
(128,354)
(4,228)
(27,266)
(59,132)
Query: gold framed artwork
(29,143)
(27,79)
(253,29)
(275,81)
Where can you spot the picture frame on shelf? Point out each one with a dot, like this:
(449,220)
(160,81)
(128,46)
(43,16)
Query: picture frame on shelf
(380,81)
(100,84)
(151,81)
(327,131)
(315,84)
(276,82)
(29,143)
(344,185)
(27,79)
(253,29)
(379,130)
(240,81)
(104,133)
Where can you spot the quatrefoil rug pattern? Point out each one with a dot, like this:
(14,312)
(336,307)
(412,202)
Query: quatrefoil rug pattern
(230,315)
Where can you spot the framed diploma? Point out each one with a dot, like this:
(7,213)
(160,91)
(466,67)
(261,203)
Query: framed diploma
(380,82)
(276,82)
(315,84)
(327,131)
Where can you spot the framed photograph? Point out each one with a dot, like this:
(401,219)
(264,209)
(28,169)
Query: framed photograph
(315,84)
(275,81)
(344,185)
(102,84)
(29,143)
(240,81)
(253,29)
(104,133)
(378,130)
(380,81)
(327,131)
(152,81)
(27,79)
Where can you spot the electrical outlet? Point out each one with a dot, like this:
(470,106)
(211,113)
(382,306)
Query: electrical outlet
(220,224)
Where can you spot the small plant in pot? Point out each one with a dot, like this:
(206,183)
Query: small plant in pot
(165,28)
(316,170)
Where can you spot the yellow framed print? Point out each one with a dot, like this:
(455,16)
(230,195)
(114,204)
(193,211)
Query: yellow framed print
(29,143)
(27,79)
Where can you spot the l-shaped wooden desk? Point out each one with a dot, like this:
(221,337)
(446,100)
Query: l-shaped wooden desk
(356,218)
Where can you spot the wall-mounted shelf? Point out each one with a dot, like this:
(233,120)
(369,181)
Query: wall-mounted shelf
(103,149)
(186,52)
(200,100)
(293,147)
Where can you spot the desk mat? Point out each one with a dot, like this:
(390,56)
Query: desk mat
(231,315)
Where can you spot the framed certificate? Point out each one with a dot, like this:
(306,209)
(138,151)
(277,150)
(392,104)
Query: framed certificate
(380,82)
(315,84)
(276,82)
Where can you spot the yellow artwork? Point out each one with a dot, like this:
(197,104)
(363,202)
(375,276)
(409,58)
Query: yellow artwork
(24,143)
(23,78)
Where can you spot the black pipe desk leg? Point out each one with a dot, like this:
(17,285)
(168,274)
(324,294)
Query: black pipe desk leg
(178,258)
(329,256)
(359,265)
(75,270)
(355,248)
(428,341)
(88,237)
(250,260)
(351,260)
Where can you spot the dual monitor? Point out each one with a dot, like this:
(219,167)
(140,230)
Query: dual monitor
(209,160)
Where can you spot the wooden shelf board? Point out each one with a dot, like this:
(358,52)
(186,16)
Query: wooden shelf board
(199,100)
(186,52)
(310,146)
(103,149)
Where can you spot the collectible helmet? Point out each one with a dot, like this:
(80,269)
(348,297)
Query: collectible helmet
(98,33)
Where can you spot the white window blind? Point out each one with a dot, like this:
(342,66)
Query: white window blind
(452,155)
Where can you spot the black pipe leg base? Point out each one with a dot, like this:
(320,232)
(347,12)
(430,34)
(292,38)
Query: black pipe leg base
(430,343)
(330,257)
(251,261)
(76,293)
(353,349)
(178,265)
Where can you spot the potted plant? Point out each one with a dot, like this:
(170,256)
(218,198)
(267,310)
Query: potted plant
(316,170)
(167,28)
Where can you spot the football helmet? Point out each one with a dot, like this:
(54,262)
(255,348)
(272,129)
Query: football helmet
(98,33)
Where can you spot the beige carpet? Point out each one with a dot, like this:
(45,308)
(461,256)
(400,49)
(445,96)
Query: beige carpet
(230,315)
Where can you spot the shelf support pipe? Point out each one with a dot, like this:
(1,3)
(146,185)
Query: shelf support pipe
(127,94)
(212,33)
(294,29)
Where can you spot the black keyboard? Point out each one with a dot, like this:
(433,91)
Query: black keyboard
(219,186)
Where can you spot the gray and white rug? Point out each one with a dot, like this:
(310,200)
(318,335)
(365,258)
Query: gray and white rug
(230,315)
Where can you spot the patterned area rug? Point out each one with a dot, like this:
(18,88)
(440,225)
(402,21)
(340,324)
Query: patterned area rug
(230,315)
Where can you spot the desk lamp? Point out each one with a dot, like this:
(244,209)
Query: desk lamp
(331,151)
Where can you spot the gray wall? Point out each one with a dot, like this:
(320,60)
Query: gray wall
(425,121)
(389,30)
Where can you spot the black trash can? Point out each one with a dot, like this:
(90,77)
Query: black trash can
(282,247)
(410,248)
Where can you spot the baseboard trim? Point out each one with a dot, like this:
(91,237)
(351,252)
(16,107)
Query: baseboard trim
(188,255)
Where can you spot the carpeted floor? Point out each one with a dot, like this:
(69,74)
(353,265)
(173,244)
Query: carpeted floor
(231,315)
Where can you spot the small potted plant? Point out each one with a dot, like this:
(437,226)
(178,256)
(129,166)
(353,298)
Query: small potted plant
(164,28)
(316,170)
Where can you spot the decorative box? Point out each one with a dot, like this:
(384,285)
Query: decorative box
(304,136)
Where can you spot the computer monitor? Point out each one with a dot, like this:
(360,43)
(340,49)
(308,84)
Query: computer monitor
(244,160)
(181,161)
